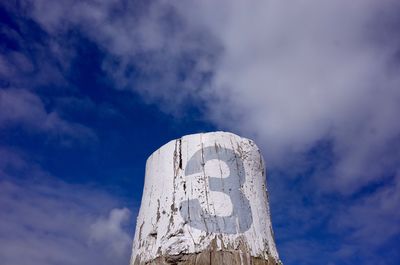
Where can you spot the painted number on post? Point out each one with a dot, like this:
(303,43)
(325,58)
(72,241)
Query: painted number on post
(240,218)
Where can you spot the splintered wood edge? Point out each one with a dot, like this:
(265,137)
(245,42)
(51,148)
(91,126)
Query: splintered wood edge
(211,257)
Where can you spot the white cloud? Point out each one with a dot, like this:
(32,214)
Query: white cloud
(46,221)
(293,74)
(373,220)
(289,74)
(110,232)
(149,48)
(20,107)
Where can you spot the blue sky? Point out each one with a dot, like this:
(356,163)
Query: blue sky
(89,89)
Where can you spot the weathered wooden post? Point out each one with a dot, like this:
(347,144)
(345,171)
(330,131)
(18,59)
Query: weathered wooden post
(205,202)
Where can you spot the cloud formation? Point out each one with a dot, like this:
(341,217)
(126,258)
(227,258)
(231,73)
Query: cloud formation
(48,221)
(150,48)
(305,79)
(289,75)
(373,220)
(20,107)
(295,74)
(109,232)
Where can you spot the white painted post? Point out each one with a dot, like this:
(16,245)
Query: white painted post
(205,202)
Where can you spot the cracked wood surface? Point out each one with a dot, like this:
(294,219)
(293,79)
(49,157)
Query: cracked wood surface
(209,258)
(205,202)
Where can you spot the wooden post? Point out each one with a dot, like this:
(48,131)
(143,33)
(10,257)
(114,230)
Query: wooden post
(205,202)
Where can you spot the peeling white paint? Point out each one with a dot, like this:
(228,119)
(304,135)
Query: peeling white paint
(203,188)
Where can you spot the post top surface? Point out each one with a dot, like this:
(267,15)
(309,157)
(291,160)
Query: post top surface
(193,135)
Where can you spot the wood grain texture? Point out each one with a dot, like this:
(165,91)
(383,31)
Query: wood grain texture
(210,258)
(205,202)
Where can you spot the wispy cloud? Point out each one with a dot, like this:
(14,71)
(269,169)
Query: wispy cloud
(291,75)
(22,108)
(109,232)
(48,221)
(295,74)
(149,48)
(374,219)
